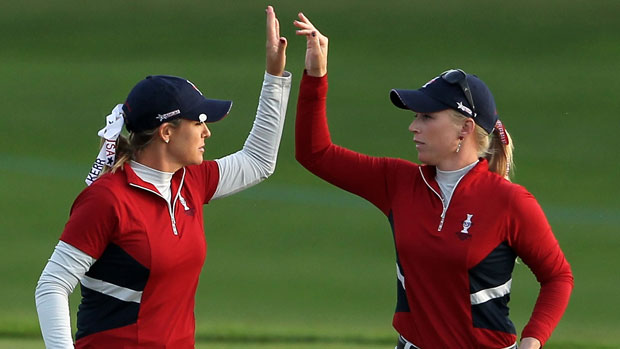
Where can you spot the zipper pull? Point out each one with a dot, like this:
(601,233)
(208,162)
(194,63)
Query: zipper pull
(443,217)
(174,225)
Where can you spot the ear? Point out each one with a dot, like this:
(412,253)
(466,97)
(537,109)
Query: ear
(469,127)
(165,131)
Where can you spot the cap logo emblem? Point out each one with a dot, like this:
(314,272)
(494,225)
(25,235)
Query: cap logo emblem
(202,117)
(162,117)
(460,106)
(194,86)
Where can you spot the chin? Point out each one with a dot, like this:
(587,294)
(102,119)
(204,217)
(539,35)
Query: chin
(196,161)
(422,159)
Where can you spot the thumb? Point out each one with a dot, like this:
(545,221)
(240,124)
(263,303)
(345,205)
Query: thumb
(313,41)
(282,44)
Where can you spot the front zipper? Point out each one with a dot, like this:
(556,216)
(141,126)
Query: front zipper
(174,221)
(443,203)
(170,209)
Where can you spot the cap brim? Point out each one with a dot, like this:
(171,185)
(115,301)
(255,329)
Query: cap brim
(416,100)
(214,109)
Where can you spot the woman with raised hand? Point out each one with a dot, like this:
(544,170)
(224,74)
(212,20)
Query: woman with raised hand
(135,236)
(457,220)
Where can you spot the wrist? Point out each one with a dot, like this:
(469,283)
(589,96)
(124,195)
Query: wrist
(317,73)
(529,343)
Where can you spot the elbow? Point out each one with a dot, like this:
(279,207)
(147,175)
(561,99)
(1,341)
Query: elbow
(299,157)
(268,171)
(302,160)
(49,286)
(566,276)
(308,159)
(263,169)
(44,284)
(303,156)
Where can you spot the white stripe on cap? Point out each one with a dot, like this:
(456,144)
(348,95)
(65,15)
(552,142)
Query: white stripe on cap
(490,293)
(118,292)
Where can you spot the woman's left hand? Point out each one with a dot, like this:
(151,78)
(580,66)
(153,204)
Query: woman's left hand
(276,45)
(529,343)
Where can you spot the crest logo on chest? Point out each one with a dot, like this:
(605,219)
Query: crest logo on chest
(188,210)
(464,233)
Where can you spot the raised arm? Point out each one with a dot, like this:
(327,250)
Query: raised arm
(257,159)
(357,173)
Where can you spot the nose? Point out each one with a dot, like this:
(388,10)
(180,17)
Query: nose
(413,126)
(206,133)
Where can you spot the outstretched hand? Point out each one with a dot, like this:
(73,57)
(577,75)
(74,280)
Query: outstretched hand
(276,45)
(316,49)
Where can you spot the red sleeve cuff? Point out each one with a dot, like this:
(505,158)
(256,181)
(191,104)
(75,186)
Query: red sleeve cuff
(312,86)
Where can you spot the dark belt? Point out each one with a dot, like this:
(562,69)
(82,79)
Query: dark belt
(402,344)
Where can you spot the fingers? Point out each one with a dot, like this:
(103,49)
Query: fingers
(304,19)
(276,45)
(303,23)
(316,50)
(306,28)
(273,27)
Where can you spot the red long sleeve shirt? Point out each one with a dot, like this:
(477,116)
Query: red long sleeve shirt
(454,270)
(140,292)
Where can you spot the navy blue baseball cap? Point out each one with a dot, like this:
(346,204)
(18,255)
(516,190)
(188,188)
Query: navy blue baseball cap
(452,89)
(161,98)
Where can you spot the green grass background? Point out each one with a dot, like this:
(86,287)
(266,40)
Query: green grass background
(295,262)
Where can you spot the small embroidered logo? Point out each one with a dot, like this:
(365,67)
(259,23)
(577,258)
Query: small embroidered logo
(461,106)
(162,117)
(464,234)
(188,210)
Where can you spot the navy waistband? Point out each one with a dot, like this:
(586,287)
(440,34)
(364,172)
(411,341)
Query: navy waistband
(405,344)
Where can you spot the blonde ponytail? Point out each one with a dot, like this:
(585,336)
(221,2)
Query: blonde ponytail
(499,155)
(124,153)
(128,147)
(491,148)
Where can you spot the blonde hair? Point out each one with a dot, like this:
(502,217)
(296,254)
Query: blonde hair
(491,148)
(127,147)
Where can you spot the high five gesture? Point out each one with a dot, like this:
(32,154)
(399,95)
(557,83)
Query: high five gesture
(316,49)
